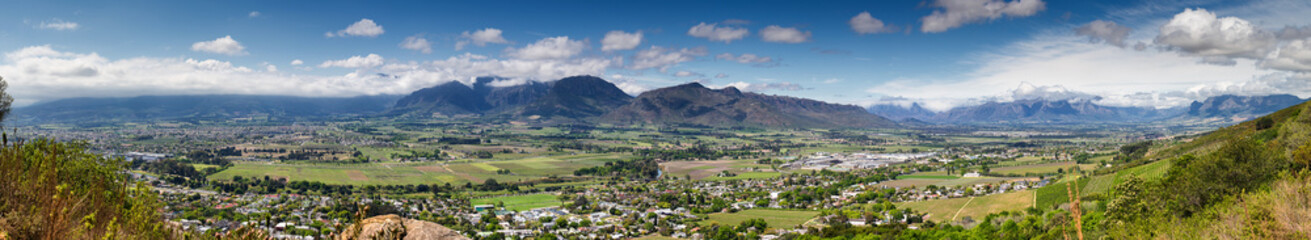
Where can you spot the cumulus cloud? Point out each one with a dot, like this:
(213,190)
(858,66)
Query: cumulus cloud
(863,24)
(40,73)
(1199,32)
(364,28)
(724,34)
(417,43)
(1104,31)
(1072,63)
(687,74)
(549,48)
(1292,32)
(775,33)
(224,45)
(955,13)
(370,61)
(1293,56)
(721,75)
(297,62)
(760,87)
(253,14)
(748,58)
(628,85)
(620,40)
(662,58)
(58,25)
(480,38)
(1028,91)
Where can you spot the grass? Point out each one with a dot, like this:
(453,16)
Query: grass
(1036,168)
(775,218)
(521,202)
(199,166)
(976,208)
(418,173)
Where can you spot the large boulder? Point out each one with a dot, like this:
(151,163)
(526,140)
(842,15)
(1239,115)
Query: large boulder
(394,227)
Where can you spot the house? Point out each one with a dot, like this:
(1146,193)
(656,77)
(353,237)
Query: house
(971,175)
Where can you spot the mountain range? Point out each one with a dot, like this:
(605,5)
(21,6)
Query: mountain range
(199,107)
(695,104)
(1057,111)
(569,100)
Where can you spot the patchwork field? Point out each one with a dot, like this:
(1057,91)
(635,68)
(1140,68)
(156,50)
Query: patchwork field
(978,207)
(521,202)
(417,173)
(705,169)
(775,218)
(946,181)
(1040,168)
(747,175)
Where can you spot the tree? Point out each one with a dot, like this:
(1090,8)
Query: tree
(5,100)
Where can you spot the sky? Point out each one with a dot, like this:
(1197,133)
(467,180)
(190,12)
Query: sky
(939,53)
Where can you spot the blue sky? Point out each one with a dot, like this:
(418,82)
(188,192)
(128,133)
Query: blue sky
(941,53)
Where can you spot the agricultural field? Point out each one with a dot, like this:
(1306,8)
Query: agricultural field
(521,202)
(747,175)
(705,169)
(775,218)
(952,210)
(1040,168)
(417,173)
(946,181)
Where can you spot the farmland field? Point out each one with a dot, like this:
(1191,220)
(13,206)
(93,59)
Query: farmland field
(747,175)
(521,202)
(705,169)
(775,218)
(976,208)
(415,173)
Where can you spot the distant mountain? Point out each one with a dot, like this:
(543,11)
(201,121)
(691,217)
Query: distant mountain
(1027,111)
(455,98)
(899,113)
(1230,106)
(199,107)
(693,103)
(576,98)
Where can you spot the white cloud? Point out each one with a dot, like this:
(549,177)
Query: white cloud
(863,24)
(956,13)
(724,34)
(721,75)
(480,38)
(224,45)
(417,43)
(58,24)
(832,80)
(253,14)
(1293,56)
(364,28)
(40,73)
(1200,33)
(774,33)
(549,48)
(628,85)
(620,40)
(760,87)
(370,61)
(1104,31)
(1117,75)
(297,62)
(687,74)
(1028,91)
(662,58)
(1292,32)
(748,58)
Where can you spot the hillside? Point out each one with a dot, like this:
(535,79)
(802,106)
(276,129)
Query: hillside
(1241,106)
(454,98)
(395,227)
(695,104)
(198,107)
(576,98)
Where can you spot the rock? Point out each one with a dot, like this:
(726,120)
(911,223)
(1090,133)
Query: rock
(394,227)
